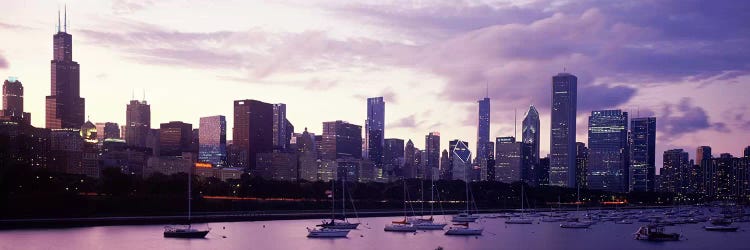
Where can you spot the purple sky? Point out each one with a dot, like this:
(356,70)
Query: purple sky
(685,62)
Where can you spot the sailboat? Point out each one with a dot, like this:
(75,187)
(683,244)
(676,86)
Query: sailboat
(342,223)
(575,223)
(186,231)
(402,225)
(429,223)
(522,219)
(329,232)
(462,228)
(466,215)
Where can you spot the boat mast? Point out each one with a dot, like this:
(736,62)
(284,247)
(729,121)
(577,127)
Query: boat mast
(333,200)
(432,196)
(189,191)
(343,198)
(466,182)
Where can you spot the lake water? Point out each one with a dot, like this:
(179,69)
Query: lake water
(291,234)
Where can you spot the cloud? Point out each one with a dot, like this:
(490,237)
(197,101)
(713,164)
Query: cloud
(409,122)
(130,6)
(596,97)
(683,117)
(3,62)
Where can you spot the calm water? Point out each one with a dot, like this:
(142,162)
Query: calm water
(291,235)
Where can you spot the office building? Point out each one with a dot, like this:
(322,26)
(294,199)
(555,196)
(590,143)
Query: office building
(563,130)
(608,164)
(65,109)
(642,154)
(252,132)
(212,140)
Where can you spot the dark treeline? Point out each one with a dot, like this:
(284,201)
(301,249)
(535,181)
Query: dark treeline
(27,193)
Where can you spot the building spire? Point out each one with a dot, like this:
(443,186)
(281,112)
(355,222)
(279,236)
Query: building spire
(58,19)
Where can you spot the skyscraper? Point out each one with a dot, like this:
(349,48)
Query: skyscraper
(13,102)
(341,140)
(175,137)
(107,130)
(608,151)
(563,130)
(393,156)
(281,129)
(137,123)
(252,132)
(445,171)
(460,160)
(212,139)
(702,153)
(746,153)
(64,106)
(672,178)
(432,149)
(642,154)
(530,133)
(483,132)
(375,130)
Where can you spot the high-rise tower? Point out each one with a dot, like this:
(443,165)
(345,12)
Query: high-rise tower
(375,130)
(483,132)
(64,106)
(13,102)
(562,160)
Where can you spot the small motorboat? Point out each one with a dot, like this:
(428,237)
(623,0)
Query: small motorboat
(463,229)
(624,222)
(327,233)
(655,233)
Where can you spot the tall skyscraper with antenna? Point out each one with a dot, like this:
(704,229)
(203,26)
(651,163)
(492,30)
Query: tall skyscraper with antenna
(64,106)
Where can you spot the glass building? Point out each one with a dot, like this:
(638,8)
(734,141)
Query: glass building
(375,130)
(483,132)
(212,139)
(562,171)
(642,154)
(432,151)
(460,160)
(608,151)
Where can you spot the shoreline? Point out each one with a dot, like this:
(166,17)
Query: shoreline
(44,223)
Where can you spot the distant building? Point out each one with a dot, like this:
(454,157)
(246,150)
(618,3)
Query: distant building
(107,130)
(542,172)
(277,165)
(308,156)
(460,160)
(212,139)
(747,152)
(432,151)
(252,132)
(582,160)
(508,159)
(13,102)
(563,130)
(393,157)
(175,137)
(66,151)
(375,130)
(341,140)
(137,123)
(608,165)
(726,178)
(642,154)
(169,165)
(445,166)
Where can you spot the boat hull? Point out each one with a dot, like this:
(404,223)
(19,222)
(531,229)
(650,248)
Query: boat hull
(186,235)
(721,229)
(331,233)
(464,231)
(430,226)
(400,228)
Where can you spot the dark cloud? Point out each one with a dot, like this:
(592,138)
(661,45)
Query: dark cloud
(683,117)
(596,97)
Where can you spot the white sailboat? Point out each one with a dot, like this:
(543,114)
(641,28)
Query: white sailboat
(521,219)
(429,223)
(576,223)
(402,225)
(463,227)
(186,231)
(329,232)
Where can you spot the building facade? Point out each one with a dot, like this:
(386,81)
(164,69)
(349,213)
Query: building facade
(252,132)
(65,109)
(341,140)
(642,154)
(137,123)
(375,130)
(563,130)
(212,140)
(432,153)
(175,137)
(608,151)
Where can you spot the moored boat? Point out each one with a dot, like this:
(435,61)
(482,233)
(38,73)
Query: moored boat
(655,233)
(327,233)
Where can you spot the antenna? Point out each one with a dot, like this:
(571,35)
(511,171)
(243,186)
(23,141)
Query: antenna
(66,18)
(515,121)
(58,18)
(487,86)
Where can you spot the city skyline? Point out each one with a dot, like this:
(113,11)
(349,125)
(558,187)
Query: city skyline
(406,119)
